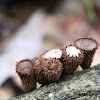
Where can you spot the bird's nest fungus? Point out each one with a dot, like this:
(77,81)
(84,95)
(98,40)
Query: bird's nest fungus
(54,63)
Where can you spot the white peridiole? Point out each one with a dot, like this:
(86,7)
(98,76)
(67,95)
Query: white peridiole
(53,53)
(72,51)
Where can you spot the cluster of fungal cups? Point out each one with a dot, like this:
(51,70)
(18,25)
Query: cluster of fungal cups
(54,63)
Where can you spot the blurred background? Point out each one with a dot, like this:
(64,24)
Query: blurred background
(29,27)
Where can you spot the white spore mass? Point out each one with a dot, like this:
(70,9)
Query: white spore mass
(54,53)
(72,51)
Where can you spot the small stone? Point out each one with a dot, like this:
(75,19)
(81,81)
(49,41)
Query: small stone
(50,95)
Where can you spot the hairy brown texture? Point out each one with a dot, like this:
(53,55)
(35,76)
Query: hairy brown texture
(26,74)
(53,69)
(88,59)
(39,63)
(70,64)
(46,70)
(88,46)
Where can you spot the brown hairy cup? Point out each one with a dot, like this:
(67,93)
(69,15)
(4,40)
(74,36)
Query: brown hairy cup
(39,63)
(71,60)
(88,46)
(26,74)
(53,68)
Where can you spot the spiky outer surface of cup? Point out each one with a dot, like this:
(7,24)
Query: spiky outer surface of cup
(24,70)
(70,63)
(38,64)
(88,59)
(52,70)
(28,82)
(88,46)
